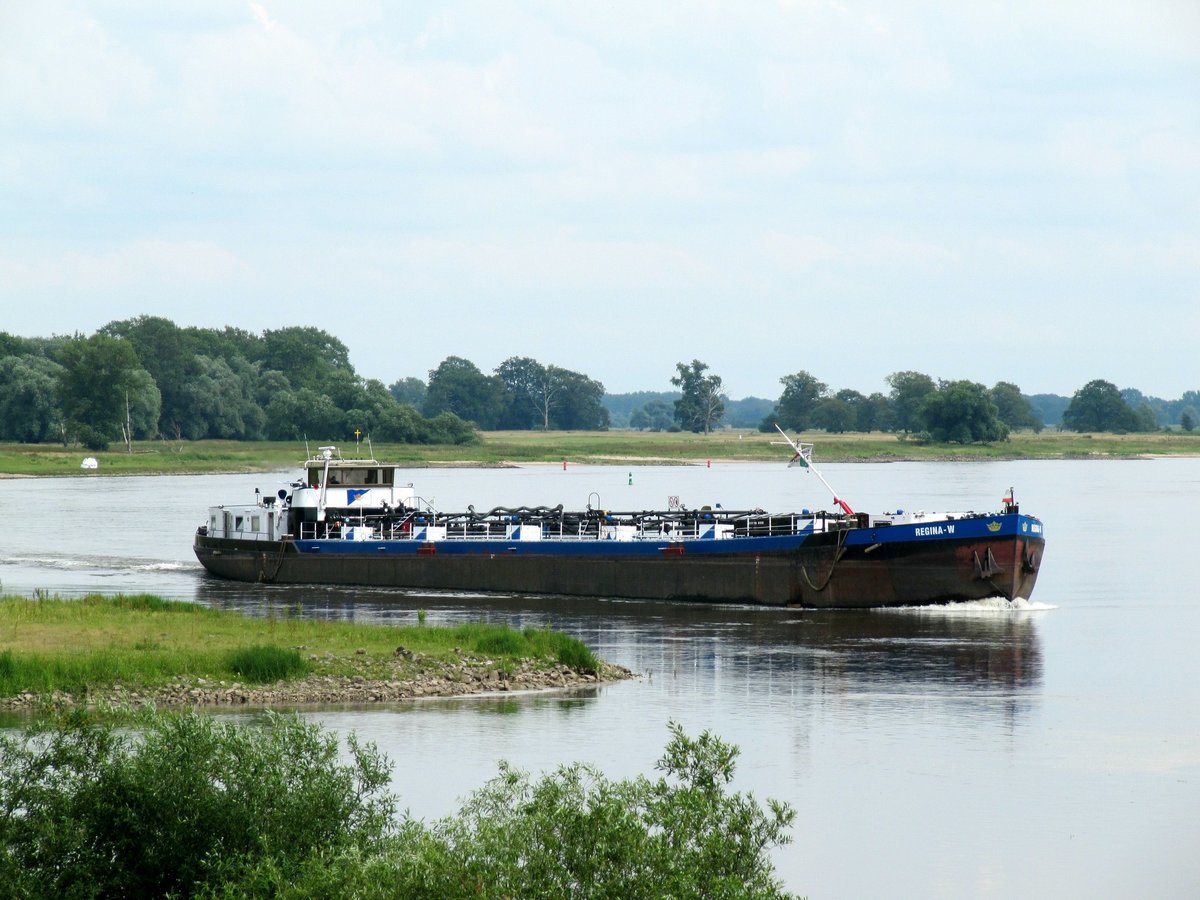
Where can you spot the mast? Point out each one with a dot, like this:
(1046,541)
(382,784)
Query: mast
(803,458)
(327,453)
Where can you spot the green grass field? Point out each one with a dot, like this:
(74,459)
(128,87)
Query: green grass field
(604,447)
(90,644)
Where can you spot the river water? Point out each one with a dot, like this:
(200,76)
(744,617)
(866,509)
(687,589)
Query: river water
(982,750)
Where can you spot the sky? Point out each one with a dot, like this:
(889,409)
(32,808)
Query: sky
(986,191)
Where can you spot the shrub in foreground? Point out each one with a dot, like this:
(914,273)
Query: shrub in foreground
(197,807)
(575,833)
(87,811)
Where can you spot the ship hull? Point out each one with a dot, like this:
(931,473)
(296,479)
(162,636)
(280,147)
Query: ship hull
(855,568)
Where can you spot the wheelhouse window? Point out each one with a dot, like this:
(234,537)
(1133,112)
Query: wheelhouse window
(358,475)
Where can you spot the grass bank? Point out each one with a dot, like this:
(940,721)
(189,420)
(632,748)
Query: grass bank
(499,448)
(90,646)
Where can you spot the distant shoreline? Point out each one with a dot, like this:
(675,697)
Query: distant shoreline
(510,449)
(628,462)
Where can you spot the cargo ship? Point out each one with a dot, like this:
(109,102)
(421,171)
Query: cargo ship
(354,522)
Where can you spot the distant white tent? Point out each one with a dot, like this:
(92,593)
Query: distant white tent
(90,462)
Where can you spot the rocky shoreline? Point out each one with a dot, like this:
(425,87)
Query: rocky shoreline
(404,678)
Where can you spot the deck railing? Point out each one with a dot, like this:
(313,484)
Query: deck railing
(591,528)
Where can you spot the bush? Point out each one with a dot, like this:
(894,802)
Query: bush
(447,428)
(569,651)
(88,812)
(501,641)
(574,833)
(91,438)
(198,807)
(576,655)
(263,663)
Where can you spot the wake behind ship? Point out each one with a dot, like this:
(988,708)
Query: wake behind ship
(352,522)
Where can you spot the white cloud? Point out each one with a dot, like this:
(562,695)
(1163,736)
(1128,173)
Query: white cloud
(1093,148)
(62,70)
(262,17)
(799,251)
(168,266)
(632,159)
(556,264)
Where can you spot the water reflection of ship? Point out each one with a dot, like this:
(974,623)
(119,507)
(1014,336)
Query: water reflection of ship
(915,647)
(832,651)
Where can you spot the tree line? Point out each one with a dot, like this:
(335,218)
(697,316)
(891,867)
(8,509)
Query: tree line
(146,378)
(944,411)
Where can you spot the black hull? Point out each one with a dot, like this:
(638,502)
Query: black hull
(820,574)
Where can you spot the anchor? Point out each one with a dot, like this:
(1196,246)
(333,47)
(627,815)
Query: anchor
(989,567)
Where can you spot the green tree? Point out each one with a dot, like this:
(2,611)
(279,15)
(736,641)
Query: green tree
(96,384)
(858,408)
(218,402)
(654,415)
(1156,406)
(531,391)
(621,406)
(1144,418)
(1098,406)
(802,394)
(376,397)
(835,415)
(876,414)
(909,390)
(1049,407)
(28,399)
(267,384)
(579,401)
(409,391)
(309,357)
(296,415)
(401,424)
(162,351)
(457,386)
(1014,408)
(13,345)
(1189,402)
(228,344)
(703,403)
(143,406)
(253,415)
(1187,418)
(962,412)
(364,406)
